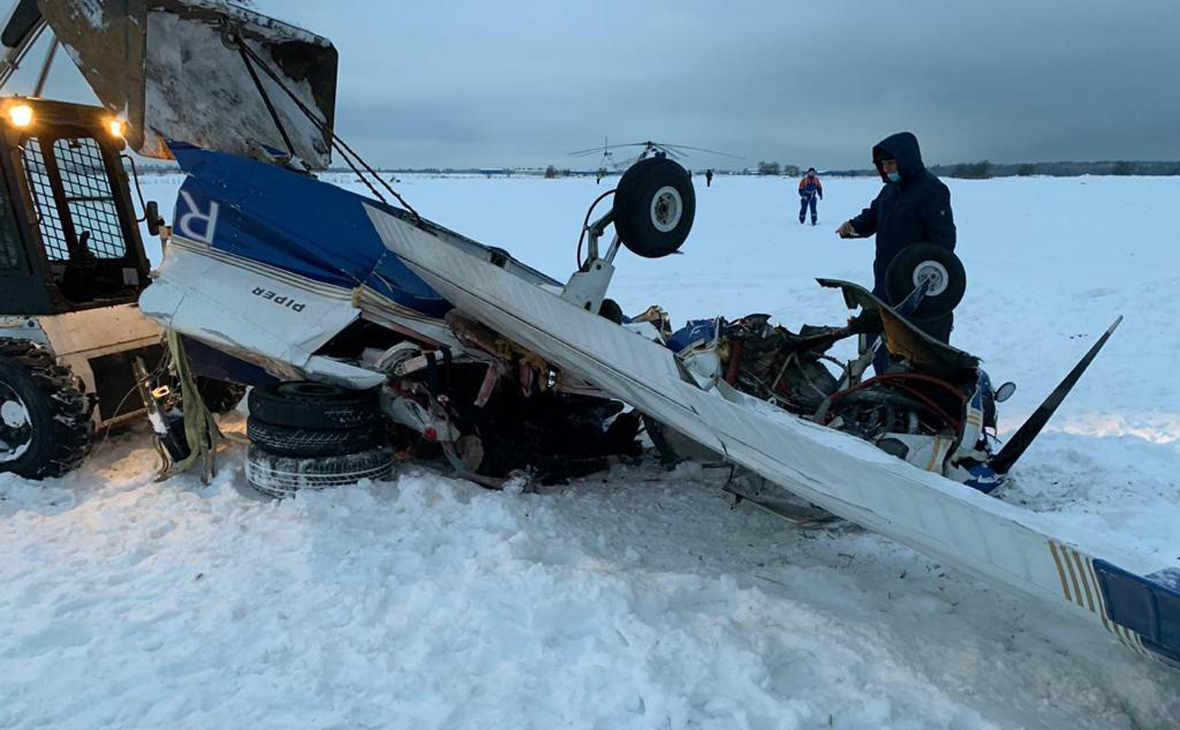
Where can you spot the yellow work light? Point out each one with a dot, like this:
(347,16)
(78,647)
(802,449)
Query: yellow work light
(21,115)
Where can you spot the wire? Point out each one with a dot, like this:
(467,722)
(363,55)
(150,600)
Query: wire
(924,378)
(586,223)
(274,115)
(337,142)
(161,369)
(894,380)
(954,422)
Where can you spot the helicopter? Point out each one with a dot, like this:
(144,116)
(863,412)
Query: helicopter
(647,148)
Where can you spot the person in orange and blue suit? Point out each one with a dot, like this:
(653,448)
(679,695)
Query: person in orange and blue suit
(810,188)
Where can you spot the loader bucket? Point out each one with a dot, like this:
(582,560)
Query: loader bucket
(176,70)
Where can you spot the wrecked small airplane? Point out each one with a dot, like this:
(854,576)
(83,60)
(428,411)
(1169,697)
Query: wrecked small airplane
(349,312)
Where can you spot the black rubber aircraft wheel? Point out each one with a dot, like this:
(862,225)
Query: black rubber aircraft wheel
(309,442)
(45,426)
(914,264)
(654,207)
(304,404)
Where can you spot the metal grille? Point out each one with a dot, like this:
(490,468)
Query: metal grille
(89,196)
(89,199)
(48,221)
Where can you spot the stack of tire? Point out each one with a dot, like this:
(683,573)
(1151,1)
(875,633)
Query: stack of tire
(306,435)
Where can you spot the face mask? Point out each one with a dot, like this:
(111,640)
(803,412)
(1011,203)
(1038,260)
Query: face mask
(893,177)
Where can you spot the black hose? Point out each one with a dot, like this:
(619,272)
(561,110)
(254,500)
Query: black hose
(337,142)
(274,115)
(586,222)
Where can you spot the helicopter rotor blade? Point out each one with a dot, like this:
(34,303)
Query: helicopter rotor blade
(702,149)
(675,151)
(611,147)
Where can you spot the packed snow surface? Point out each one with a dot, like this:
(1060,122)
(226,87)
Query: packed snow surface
(639,598)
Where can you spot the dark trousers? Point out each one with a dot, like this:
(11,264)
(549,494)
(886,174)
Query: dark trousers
(938,328)
(803,203)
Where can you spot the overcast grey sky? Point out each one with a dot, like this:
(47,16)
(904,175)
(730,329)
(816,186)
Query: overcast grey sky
(523,83)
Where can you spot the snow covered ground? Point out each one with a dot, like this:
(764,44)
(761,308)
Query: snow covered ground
(637,599)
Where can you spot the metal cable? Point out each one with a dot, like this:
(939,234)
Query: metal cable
(274,115)
(323,127)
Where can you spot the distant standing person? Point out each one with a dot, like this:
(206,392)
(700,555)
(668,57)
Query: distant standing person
(708,177)
(810,188)
(913,207)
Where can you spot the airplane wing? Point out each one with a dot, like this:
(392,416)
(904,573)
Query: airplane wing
(1008,546)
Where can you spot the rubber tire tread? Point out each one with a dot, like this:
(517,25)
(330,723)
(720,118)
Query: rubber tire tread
(312,473)
(60,410)
(632,214)
(342,408)
(309,442)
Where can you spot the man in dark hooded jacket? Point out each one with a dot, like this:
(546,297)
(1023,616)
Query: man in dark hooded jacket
(913,207)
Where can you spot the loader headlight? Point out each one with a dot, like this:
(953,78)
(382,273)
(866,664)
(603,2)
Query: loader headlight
(20,115)
(116,127)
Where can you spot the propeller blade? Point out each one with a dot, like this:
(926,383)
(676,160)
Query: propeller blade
(1024,436)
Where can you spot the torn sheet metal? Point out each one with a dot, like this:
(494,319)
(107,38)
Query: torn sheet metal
(173,70)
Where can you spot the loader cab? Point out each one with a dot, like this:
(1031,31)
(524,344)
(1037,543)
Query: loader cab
(69,240)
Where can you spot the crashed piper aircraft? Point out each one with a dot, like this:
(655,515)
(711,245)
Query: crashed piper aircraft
(363,325)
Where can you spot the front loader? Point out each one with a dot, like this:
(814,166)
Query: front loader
(72,263)
(72,267)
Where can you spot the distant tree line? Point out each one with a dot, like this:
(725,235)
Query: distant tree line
(774,168)
(984,169)
(979,170)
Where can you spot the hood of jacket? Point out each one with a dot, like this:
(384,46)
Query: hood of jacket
(902,147)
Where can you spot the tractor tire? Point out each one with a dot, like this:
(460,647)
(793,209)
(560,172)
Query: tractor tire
(45,426)
(654,207)
(220,396)
(907,269)
(305,404)
(279,476)
(309,442)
